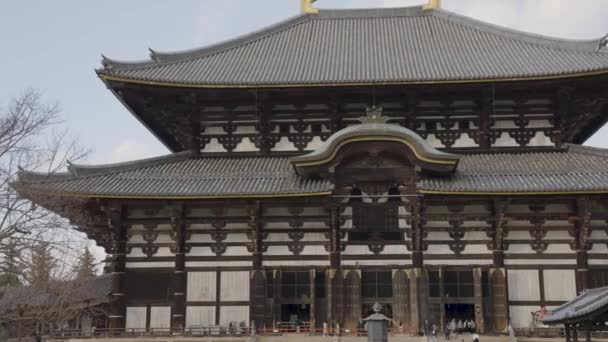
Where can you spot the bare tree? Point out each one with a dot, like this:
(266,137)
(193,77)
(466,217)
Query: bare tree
(31,139)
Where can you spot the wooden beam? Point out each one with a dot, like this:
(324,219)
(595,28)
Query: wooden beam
(178,301)
(118,249)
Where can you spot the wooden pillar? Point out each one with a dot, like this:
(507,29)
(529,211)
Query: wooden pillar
(334,238)
(478,293)
(441,298)
(313,299)
(582,233)
(178,303)
(486,107)
(567,332)
(118,308)
(574,333)
(414,300)
(588,332)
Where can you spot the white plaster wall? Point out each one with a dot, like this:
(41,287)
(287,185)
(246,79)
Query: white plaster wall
(438,236)
(246,145)
(314,250)
(540,139)
(504,124)
(218,263)
(475,236)
(599,248)
(160,317)
(284,145)
(395,249)
(453,262)
(464,141)
(237,237)
(136,318)
(314,144)
(558,248)
(201,251)
(518,235)
(523,285)
(433,141)
(357,250)
(236,251)
(599,233)
(559,284)
(505,140)
(278,250)
(475,249)
(201,286)
(520,248)
(214,146)
(521,316)
(234,313)
(438,249)
(151,264)
(273,263)
(234,286)
(376,262)
(558,235)
(540,261)
(200,316)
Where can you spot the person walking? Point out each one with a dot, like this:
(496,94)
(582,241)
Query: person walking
(446,331)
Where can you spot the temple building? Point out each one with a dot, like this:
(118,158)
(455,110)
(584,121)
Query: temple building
(410,156)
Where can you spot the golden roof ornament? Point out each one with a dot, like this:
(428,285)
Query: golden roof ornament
(432,4)
(306,7)
(373,115)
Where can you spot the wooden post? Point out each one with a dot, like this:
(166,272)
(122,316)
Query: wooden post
(313,299)
(574,333)
(334,238)
(582,232)
(118,308)
(478,293)
(567,332)
(178,304)
(588,331)
(414,301)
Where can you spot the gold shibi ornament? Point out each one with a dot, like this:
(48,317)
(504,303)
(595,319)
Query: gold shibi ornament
(306,7)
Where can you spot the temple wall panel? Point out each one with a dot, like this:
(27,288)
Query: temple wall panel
(557,235)
(223,264)
(524,285)
(433,141)
(246,145)
(464,141)
(599,233)
(200,251)
(201,286)
(278,250)
(197,316)
(476,249)
(136,317)
(538,262)
(442,236)
(558,248)
(451,261)
(395,249)
(375,262)
(213,146)
(314,144)
(520,315)
(517,248)
(234,313)
(357,250)
(296,263)
(235,286)
(599,247)
(540,139)
(505,140)
(160,317)
(236,251)
(151,264)
(284,145)
(559,285)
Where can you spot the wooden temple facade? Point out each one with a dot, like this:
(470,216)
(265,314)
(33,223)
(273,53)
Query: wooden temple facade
(407,156)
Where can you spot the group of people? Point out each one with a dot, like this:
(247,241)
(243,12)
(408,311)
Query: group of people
(452,329)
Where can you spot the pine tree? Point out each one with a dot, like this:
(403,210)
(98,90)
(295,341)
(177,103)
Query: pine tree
(10,270)
(41,265)
(86,266)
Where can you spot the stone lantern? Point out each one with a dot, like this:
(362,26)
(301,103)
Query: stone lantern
(377,325)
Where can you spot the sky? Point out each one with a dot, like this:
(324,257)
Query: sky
(55,46)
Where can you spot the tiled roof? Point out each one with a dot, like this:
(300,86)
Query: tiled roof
(180,175)
(587,305)
(88,292)
(576,169)
(371,46)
